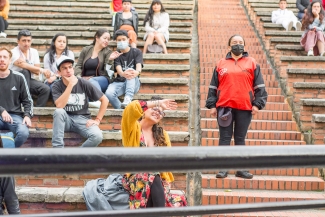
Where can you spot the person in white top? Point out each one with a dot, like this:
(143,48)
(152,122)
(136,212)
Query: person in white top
(59,47)
(26,61)
(156,24)
(285,17)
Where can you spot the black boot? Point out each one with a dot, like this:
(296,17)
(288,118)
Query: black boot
(222,174)
(244,174)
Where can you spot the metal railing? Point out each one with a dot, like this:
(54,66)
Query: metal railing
(102,160)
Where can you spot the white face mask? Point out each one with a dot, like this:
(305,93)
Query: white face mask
(122,45)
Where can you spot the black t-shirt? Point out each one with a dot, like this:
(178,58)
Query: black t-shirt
(78,99)
(128,60)
(91,66)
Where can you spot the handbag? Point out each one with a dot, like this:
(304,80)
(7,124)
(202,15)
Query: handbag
(7,140)
(155,48)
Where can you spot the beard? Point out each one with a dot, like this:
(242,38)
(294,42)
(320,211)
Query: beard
(4,68)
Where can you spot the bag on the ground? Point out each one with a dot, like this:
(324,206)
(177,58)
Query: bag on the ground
(155,48)
(7,140)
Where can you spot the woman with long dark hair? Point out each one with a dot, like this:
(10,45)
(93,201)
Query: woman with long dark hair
(236,92)
(4,11)
(156,24)
(140,128)
(58,47)
(95,61)
(313,23)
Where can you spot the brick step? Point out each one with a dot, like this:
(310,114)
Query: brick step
(277,172)
(295,183)
(219,196)
(255,124)
(261,115)
(253,142)
(258,134)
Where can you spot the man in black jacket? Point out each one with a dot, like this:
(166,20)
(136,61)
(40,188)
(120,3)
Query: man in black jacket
(302,6)
(14,92)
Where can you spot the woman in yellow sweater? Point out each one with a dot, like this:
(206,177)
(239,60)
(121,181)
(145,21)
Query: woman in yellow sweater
(4,11)
(140,128)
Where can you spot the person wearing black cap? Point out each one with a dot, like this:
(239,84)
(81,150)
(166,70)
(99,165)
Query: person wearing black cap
(236,92)
(71,95)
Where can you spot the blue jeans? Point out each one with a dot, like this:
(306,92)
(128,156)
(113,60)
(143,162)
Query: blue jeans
(116,89)
(62,122)
(100,82)
(300,15)
(20,130)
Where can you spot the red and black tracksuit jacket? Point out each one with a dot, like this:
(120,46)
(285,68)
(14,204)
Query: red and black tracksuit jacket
(237,84)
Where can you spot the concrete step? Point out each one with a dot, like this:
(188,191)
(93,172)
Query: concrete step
(309,85)
(270,1)
(259,134)
(281,115)
(276,183)
(290,213)
(273,6)
(306,71)
(253,142)
(297,34)
(270,9)
(302,58)
(212,123)
(220,196)
(313,102)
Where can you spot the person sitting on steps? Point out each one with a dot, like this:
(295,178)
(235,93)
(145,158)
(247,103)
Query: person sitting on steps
(4,11)
(127,20)
(302,7)
(128,65)
(26,61)
(58,47)
(156,25)
(285,17)
(71,95)
(313,39)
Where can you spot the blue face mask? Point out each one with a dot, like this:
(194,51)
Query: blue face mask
(122,45)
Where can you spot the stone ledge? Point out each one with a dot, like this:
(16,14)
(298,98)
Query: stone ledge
(164,81)
(283,33)
(309,85)
(285,39)
(175,136)
(55,195)
(313,102)
(161,67)
(289,47)
(318,118)
(302,58)
(270,1)
(43,111)
(306,71)
(270,9)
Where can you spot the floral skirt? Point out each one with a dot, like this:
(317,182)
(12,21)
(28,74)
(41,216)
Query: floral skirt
(138,185)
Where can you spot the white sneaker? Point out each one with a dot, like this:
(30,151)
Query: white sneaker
(126,102)
(94,104)
(3,35)
(310,53)
(298,26)
(323,54)
(290,26)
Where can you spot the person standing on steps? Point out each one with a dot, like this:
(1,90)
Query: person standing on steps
(95,62)
(128,65)
(156,25)
(236,92)
(71,95)
(4,11)
(26,61)
(127,20)
(313,39)
(14,94)
(302,7)
(285,17)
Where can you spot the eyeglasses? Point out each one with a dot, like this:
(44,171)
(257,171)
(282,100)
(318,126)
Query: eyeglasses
(161,113)
(25,32)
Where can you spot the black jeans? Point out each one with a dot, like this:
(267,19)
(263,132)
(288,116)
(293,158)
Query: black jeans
(40,89)
(3,24)
(241,120)
(8,195)
(157,194)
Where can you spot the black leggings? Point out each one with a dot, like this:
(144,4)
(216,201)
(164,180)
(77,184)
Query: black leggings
(241,120)
(8,195)
(157,194)
(3,24)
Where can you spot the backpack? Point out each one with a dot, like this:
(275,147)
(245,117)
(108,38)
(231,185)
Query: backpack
(155,48)
(7,140)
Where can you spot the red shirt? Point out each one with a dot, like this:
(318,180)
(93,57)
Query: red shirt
(117,5)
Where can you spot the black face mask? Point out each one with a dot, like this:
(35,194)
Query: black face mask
(237,49)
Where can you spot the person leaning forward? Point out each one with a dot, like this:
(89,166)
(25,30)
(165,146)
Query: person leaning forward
(71,96)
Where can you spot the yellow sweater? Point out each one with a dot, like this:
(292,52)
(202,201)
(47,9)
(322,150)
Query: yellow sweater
(131,131)
(4,13)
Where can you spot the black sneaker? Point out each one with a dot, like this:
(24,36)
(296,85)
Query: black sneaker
(244,174)
(222,174)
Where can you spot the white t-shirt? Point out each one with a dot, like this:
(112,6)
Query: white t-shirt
(32,58)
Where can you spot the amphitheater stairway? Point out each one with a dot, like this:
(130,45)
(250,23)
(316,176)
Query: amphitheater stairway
(163,75)
(273,125)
